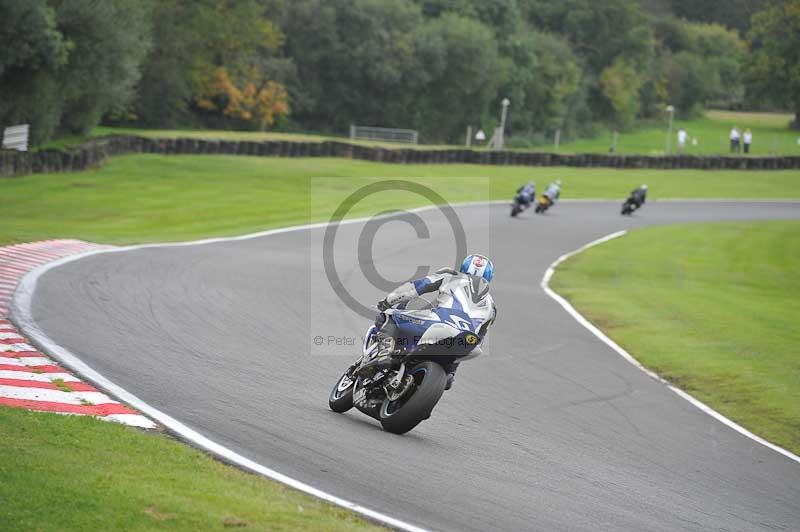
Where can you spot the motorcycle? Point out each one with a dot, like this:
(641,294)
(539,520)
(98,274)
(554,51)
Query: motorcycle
(628,207)
(543,204)
(401,390)
(518,205)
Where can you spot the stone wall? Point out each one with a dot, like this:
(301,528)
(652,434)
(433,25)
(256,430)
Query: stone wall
(94,152)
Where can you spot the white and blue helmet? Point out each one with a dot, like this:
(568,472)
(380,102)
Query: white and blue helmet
(479,266)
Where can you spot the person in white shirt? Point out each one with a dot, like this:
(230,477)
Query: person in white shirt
(747,138)
(735,140)
(682,136)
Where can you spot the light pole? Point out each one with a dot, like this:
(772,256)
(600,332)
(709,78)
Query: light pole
(502,140)
(671,111)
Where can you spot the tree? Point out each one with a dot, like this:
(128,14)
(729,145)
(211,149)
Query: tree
(109,41)
(356,62)
(729,13)
(774,69)
(194,39)
(33,52)
(723,53)
(462,74)
(600,32)
(254,99)
(620,86)
(66,63)
(542,79)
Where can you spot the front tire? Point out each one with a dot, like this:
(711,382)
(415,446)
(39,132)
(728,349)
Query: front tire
(406,413)
(341,398)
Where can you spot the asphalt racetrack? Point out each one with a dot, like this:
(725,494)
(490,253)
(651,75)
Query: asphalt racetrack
(549,430)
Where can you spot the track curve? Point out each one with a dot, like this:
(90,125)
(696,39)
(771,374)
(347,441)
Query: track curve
(551,430)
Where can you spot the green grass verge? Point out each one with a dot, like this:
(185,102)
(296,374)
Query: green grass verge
(146,198)
(712,308)
(79,473)
(770,133)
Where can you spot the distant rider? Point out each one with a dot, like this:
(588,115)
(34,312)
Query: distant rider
(527,193)
(638,196)
(553,191)
(466,290)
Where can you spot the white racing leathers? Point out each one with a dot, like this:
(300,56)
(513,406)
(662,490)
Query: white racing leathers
(463,303)
(553,192)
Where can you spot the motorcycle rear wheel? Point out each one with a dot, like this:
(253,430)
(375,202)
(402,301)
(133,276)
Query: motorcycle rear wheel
(409,411)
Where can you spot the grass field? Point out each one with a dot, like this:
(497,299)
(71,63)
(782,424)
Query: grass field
(146,198)
(770,133)
(712,308)
(77,473)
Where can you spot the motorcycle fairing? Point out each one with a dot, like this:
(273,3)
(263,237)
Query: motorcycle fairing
(418,327)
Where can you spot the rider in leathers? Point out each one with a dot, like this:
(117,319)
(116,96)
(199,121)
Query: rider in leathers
(638,196)
(553,191)
(466,290)
(528,193)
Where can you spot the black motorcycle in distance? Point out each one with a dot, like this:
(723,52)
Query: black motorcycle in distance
(629,206)
(518,205)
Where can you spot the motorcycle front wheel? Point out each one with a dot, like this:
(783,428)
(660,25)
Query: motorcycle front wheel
(341,398)
(405,413)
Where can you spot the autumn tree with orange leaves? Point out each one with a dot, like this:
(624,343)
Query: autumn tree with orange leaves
(253,98)
(239,79)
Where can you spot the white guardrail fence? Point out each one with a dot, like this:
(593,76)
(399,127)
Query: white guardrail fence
(16,137)
(386,134)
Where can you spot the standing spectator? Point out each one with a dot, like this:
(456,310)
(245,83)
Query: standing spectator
(747,138)
(735,140)
(682,136)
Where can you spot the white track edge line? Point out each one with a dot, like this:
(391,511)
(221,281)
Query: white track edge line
(545,284)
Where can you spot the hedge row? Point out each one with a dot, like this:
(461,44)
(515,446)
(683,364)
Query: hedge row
(94,152)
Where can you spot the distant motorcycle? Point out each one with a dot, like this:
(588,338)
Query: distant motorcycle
(635,200)
(543,204)
(402,397)
(518,205)
(629,206)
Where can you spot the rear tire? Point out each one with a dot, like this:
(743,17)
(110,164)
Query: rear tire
(341,398)
(403,415)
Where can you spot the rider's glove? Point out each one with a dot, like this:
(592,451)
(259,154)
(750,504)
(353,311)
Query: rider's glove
(383,305)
